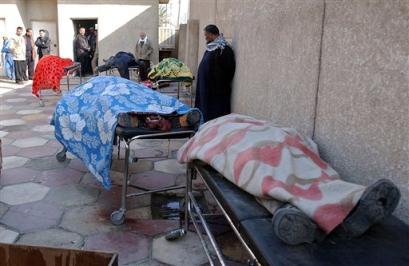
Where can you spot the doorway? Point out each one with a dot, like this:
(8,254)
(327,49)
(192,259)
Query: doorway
(83,23)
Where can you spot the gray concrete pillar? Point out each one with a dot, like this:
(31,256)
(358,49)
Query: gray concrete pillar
(192,45)
(182,42)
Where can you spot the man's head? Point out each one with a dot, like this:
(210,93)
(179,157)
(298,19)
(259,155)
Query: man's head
(142,35)
(5,38)
(91,30)
(211,32)
(82,31)
(42,33)
(19,31)
(29,32)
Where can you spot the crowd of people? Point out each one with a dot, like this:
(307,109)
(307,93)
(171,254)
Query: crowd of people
(20,52)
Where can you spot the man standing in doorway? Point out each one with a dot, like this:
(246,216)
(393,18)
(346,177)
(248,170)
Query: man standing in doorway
(143,54)
(30,52)
(18,49)
(83,51)
(214,76)
(43,44)
(93,44)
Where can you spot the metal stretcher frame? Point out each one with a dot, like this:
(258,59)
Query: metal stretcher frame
(67,71)
(179,87)
(192,210)
(133,71)
(71,69)
(118,216)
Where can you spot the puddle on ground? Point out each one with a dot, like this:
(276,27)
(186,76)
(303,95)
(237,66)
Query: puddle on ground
(169,206)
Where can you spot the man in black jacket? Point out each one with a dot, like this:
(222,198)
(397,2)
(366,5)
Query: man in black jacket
(43,44)
(30,52)
(214,76)
(83,51)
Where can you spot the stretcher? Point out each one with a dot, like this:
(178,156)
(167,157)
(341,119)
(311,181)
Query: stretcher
(129,134)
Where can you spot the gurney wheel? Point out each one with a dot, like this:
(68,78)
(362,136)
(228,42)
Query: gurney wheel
(61,156)
(118,217)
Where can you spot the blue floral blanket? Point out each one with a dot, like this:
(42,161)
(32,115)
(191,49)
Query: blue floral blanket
(85,118)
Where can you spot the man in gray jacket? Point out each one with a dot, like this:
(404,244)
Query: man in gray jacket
(143,54)
(83,51)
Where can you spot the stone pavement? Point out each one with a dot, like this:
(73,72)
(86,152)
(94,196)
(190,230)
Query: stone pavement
(48,203)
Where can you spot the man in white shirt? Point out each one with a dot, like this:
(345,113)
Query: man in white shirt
(143,54)
(18,50)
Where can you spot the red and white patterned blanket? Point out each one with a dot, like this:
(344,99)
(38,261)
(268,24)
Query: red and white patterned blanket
(274,163)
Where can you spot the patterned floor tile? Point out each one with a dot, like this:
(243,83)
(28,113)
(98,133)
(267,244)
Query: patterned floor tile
(22,193)
(3,133)
(153,180)
(59,177)
(87,220)
(12,122)
(170,166)
(44,128)
(16,100)
(55,238)
(72,195)
(30,142)
(13,162)
(36,152)
(9,150)
(32,216)
(7,236)
(29,111)
(46,163)
(186,251)
(131,247)
(18,175)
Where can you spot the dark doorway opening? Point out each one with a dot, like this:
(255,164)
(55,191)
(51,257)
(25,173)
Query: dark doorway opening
(83,23)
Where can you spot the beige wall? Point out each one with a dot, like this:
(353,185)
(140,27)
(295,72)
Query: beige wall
(119,24)
(338,71)
(13,11)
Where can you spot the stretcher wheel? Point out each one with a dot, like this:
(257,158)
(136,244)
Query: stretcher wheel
(61,156)
(118,217)
(175,234)
(41,103)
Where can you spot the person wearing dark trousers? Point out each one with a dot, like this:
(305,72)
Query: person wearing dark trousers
(18,49)
(83,51)
(143,54)
(30,52)
(43,44)
(214,76)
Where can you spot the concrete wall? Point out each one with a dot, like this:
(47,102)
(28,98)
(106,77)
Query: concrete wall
(41,10)
(338,71)
(362,123)
(13,11)
(119,24)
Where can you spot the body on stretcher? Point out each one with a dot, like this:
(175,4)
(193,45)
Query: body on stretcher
(49,72)
(132,127)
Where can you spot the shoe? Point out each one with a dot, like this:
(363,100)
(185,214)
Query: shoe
(376,203)
(293,227)
(20,82)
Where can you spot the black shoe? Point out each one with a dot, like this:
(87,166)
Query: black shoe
(294,227)
(376,203)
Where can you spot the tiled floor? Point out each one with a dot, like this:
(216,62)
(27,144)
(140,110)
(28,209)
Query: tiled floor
(45,202)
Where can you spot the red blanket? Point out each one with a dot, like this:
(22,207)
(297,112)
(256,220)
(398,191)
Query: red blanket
(48,73)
